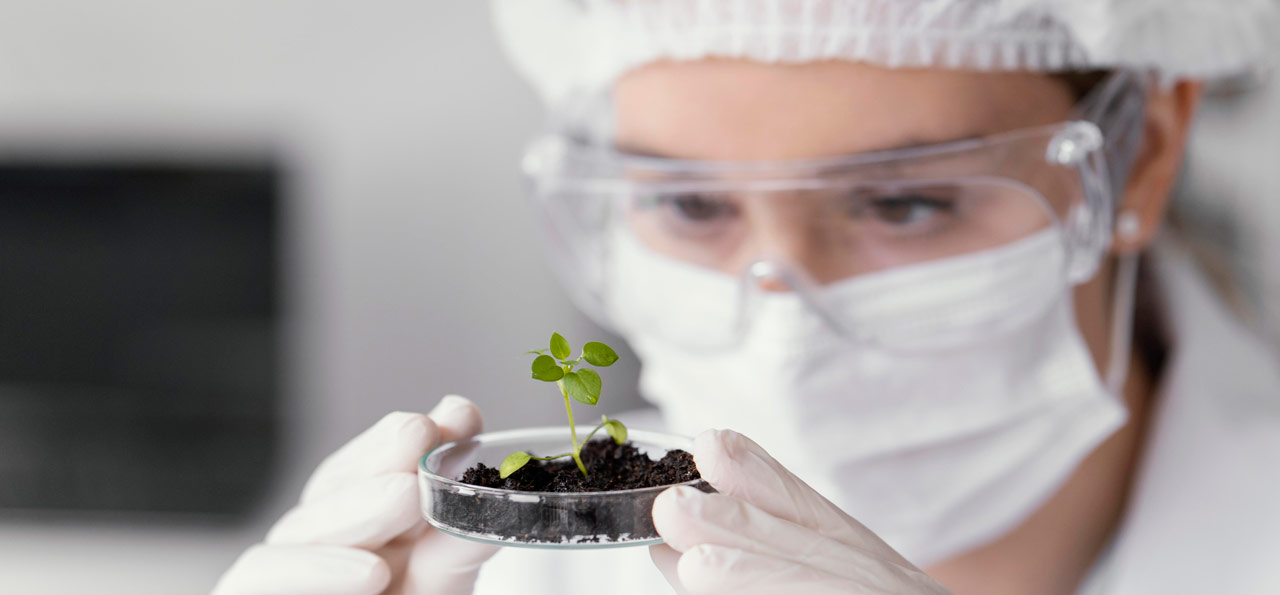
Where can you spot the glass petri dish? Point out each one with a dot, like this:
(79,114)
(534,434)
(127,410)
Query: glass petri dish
(580,520)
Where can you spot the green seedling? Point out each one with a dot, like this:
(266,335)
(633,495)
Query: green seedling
(576,382)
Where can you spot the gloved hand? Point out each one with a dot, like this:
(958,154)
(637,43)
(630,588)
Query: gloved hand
(358,529)
(768,532)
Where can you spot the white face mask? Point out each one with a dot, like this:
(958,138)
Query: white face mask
(985,403)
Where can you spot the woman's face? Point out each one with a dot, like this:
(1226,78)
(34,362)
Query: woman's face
(727,109)
(737,110)
(740,110)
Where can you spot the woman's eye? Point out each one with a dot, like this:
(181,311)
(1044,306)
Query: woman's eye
(699,209)
(691,215)
(907,209)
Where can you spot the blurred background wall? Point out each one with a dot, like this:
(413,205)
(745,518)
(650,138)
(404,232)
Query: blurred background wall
(1230,194)
(409,266)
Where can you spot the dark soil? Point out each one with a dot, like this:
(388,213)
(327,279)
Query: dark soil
(570,520)
(610,466)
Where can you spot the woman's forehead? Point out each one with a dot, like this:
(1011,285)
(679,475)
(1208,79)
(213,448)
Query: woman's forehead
(741,110)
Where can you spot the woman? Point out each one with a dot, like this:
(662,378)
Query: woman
(899,245)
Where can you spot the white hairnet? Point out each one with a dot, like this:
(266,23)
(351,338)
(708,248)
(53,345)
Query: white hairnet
(566,46)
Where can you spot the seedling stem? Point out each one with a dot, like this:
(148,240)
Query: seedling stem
(583,385)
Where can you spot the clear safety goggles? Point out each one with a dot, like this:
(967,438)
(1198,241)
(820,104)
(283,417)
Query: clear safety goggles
(815,227)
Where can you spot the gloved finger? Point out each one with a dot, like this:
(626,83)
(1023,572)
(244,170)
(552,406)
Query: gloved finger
(366,514)
(440,564)
(667,560)
(305,570)
(435,563)
(718,569)
(457,417)
(393,445)
(687,518)
(739,467)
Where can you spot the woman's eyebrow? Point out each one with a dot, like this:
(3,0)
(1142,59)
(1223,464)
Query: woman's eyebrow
(914,144)
(920,142)
(640,151)
(911,143)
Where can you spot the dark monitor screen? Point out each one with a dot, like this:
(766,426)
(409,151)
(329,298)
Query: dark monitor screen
(139,306)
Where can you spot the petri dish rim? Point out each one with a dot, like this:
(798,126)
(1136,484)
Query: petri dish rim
(639,436)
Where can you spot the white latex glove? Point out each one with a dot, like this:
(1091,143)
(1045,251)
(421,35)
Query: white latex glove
(358,529)
(768,532)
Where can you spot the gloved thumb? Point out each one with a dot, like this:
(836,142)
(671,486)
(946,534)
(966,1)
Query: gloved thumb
(737,466)
(433,563)
(436,564)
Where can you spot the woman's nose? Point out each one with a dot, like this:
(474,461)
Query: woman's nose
(808,256)
(769,276)
(772,284)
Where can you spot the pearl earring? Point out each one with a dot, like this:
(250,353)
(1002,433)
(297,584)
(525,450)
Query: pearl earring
(1128,225)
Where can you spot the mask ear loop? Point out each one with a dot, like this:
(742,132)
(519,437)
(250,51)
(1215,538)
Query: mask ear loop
(1128,226)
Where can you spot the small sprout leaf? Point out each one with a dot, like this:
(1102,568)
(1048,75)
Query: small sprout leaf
(546,369)
(560,347)
(591,381)
(577,389)
(616,430)
(599,354)
(553,364)
(513,463)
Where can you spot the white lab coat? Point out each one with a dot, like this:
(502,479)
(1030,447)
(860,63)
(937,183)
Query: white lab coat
(1205,514)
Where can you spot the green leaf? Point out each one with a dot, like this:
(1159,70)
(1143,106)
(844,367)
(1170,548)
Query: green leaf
(513,463)
(616,430)
(546,369)
(591,380)
(560,347)
(536,351)
(599,354)
(577,389)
